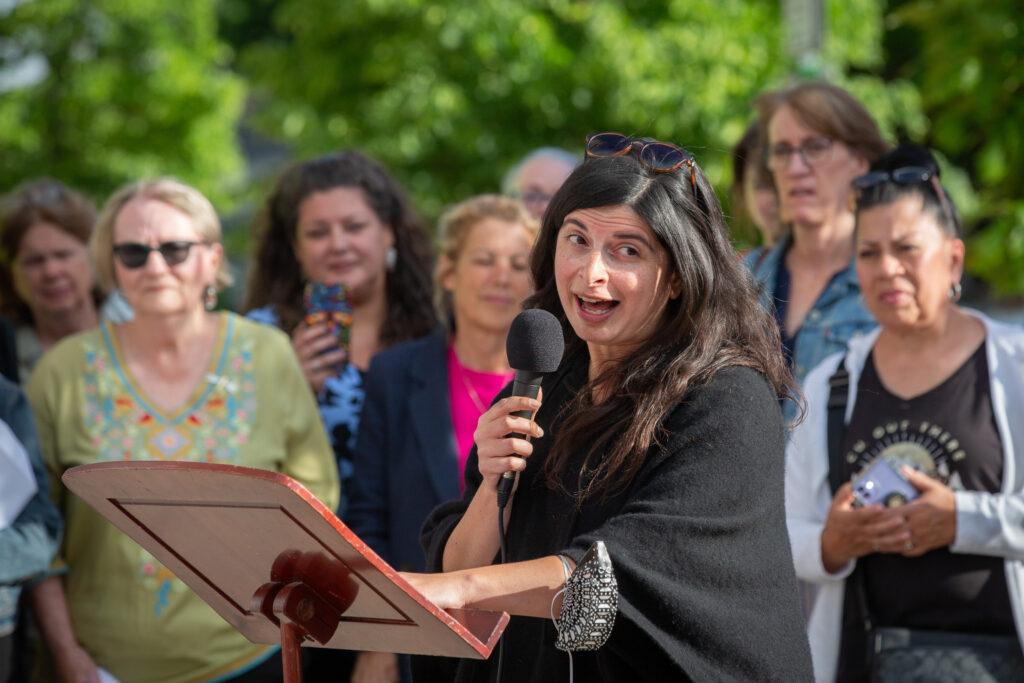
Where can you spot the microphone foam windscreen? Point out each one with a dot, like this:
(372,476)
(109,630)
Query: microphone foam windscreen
(535,342)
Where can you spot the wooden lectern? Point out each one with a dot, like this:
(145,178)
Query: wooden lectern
(274,562)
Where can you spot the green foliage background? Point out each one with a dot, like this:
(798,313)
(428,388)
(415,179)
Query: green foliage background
(450,94)
(967,61)
(135,88)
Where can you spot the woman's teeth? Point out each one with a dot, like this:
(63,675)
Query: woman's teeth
(596,306)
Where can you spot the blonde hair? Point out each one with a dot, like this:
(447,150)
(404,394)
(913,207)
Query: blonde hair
(454,227)
(170,191)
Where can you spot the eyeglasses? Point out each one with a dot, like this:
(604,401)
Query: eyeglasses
(907,175)
(133,255)
(660,157)
(535,197)
(812,151)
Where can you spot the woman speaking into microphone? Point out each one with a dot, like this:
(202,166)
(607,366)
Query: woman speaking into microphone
(658,446)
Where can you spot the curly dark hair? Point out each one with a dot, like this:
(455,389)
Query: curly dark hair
(276,278)
(43,200)
(716,323)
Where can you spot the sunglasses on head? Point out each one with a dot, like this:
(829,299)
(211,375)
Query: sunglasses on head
(133,255)
(660,157)
(907,175)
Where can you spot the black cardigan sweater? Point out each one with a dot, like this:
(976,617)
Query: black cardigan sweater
(698,541)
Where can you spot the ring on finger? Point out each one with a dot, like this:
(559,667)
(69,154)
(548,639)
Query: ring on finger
(876,547)
(909,545)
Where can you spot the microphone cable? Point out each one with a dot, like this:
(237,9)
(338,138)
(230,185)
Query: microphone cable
(534,347)
(503,499)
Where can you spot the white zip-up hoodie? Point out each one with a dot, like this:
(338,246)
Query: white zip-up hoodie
(986,523)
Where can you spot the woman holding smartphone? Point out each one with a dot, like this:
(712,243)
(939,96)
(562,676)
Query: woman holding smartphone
(937,393)
(342,220)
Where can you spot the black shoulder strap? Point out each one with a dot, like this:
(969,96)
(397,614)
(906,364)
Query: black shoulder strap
(857,621)
(839,385)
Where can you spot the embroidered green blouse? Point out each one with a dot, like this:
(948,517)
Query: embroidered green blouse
(254,408)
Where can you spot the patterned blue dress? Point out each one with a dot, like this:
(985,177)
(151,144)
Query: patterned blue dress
(341,405)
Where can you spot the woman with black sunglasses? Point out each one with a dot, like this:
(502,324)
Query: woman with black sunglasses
(660,436)
(179,381)
(926,410)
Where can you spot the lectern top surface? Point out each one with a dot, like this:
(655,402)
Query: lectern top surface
(225,531)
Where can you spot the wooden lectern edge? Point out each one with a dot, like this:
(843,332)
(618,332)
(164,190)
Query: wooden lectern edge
(328,515)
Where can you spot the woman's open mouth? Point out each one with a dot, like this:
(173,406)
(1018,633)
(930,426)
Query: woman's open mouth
(596,308)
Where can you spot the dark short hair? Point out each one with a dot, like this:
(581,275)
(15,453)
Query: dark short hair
(933,194)
(716,322)
(42,200)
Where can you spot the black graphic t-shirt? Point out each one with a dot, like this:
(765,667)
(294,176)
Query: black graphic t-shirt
(949,433)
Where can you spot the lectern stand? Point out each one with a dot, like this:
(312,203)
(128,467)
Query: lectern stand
(274,562)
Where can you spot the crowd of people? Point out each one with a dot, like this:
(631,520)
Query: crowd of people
(723,425)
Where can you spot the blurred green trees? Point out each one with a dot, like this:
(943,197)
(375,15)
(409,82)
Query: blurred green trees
(967,61)
(449,94)
(100,92)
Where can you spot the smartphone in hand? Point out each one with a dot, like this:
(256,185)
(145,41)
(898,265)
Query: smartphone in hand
(329,305)
(882,483)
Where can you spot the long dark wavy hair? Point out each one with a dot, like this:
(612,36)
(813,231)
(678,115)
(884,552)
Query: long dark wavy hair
(276,278)
(717,321)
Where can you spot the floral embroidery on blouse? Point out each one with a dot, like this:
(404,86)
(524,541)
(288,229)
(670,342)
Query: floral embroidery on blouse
(211,428)
(160,581)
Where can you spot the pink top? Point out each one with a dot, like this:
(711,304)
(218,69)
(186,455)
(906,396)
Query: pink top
(470,393)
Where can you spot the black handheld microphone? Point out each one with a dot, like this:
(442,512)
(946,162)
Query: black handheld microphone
(534,347)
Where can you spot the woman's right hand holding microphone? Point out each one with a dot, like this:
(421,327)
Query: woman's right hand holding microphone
(499,449)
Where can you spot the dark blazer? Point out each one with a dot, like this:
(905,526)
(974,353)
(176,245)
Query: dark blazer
(406,462)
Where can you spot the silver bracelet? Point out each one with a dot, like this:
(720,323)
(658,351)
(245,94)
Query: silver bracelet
(566,569)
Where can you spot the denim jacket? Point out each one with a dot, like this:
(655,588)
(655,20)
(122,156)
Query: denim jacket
(27,545)
(836,317)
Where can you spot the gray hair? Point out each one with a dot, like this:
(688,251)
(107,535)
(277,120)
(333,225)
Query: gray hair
(508,183)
